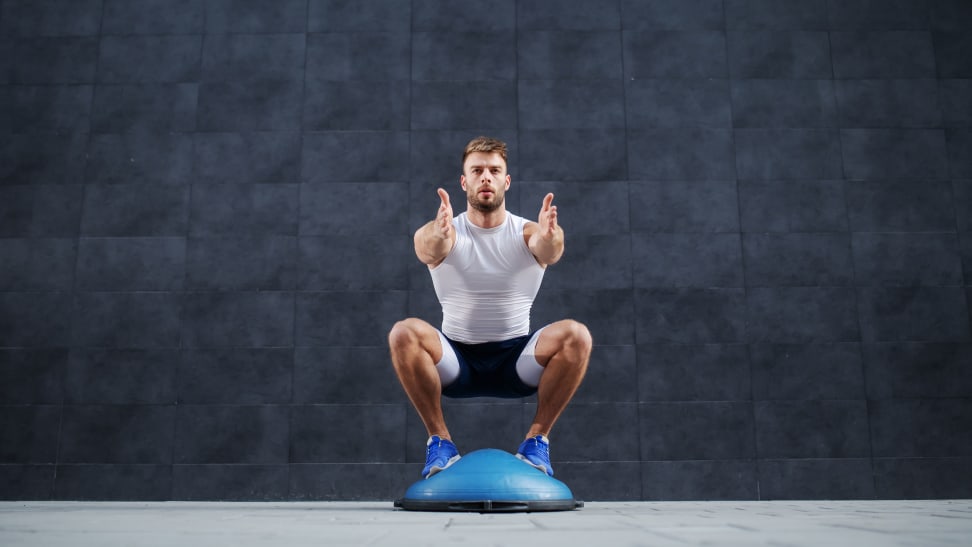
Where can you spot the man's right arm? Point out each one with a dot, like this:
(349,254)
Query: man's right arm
(434,241)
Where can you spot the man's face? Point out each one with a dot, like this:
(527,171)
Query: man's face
(485,180)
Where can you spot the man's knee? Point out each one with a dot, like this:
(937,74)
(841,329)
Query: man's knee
(404,333)
(413,334)
(578,335)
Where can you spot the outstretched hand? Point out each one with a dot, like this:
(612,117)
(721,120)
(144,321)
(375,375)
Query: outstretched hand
(443,219)
(548,218)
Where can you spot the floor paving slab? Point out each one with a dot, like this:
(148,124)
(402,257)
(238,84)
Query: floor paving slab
(598,524)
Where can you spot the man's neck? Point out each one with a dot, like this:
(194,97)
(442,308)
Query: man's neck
(491,219)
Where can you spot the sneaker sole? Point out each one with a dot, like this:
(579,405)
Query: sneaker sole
(537,466)
(436,469)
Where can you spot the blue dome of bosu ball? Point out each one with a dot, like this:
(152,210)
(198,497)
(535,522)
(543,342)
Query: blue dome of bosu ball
(489,481)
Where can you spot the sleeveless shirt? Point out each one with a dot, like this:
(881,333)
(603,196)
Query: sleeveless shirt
(487,283)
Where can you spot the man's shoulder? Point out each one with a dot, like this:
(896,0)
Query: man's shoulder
(518,220)
(524,225)
(459,222)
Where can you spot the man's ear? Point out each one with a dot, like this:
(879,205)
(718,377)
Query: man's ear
(462,182)
(508,180)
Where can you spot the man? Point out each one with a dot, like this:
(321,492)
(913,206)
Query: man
(486,266)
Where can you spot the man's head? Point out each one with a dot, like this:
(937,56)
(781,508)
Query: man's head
(484,177)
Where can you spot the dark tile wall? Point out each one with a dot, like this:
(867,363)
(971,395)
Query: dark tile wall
(206,209)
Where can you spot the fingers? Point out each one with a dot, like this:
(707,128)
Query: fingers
(548,214)
(445,210)
(443,219)
(444,196)
(547,200)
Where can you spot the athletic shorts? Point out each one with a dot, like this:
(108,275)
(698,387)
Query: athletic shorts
(506,369)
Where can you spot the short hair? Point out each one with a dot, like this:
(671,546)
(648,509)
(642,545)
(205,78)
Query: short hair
(485,144)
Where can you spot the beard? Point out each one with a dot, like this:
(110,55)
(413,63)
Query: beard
(486,206)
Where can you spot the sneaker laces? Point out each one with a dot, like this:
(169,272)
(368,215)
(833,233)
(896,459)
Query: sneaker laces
(433,446)
(542,446)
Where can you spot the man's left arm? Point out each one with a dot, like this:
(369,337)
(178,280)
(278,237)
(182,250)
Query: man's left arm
(546,241)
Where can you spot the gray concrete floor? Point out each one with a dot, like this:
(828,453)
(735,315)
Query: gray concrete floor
(600,524)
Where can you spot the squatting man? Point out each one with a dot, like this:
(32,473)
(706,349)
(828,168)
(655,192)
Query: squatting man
(486,266)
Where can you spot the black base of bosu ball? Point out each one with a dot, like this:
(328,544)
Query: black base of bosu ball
(489,481)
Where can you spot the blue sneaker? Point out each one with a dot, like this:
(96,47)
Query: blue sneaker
(439,454)
(536,452)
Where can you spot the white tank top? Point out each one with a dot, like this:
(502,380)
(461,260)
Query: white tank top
(487,283)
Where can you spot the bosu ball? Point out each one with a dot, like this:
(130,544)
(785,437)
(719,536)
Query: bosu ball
(489,481)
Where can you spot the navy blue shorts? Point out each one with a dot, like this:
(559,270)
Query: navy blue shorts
(489,370)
